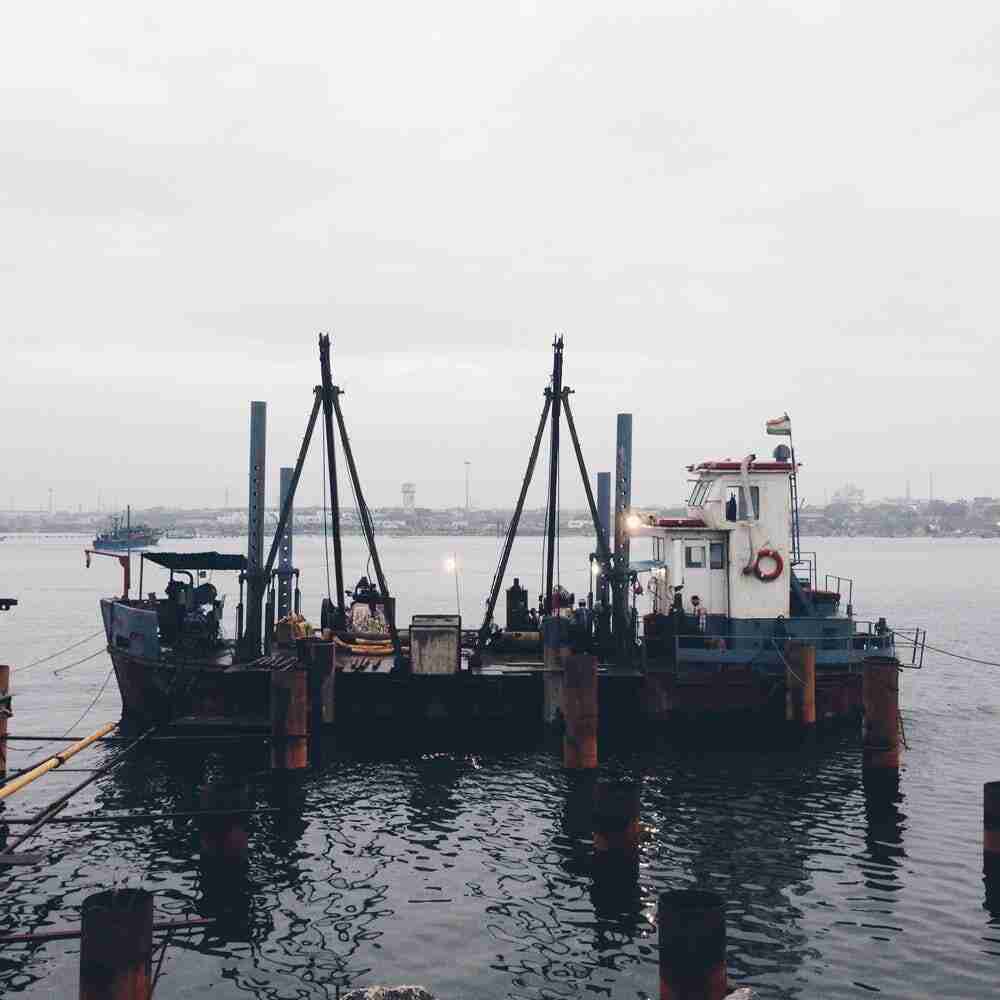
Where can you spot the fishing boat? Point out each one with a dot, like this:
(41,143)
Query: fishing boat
(122,535)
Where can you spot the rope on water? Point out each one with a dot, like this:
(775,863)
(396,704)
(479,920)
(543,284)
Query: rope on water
(52,656)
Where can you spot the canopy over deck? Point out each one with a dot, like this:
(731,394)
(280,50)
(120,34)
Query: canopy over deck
(197,560)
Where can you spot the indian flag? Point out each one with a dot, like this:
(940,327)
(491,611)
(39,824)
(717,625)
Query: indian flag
(780,425)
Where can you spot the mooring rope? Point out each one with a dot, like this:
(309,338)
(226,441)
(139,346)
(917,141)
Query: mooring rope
(97,698)
(77,663)
(946,652)
(52,656)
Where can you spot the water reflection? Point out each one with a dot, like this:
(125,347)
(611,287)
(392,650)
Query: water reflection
(481,869)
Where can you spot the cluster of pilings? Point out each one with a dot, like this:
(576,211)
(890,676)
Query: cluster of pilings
(692,925)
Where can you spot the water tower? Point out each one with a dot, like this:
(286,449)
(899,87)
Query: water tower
(409,495)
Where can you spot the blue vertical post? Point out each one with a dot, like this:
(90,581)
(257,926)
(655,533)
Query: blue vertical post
(285,550)
(255,529)
(604,515)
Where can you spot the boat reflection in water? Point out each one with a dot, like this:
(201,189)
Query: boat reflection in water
(452,869)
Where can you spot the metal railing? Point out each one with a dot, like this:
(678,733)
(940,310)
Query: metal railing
(810,561)
(752,645)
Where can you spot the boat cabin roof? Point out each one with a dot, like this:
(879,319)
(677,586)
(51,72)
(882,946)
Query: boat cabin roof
(728,465)
(197,560)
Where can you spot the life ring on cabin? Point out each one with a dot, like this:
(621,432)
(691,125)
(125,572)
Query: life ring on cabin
(775,557)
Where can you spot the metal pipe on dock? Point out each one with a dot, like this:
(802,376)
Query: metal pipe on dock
(580,712)
(116,945)
(880,695)
(616,824)
(692,939)
(289,720)
(800,683)
(53,762)
(223,834)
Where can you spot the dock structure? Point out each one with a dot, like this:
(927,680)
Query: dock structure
(738,626)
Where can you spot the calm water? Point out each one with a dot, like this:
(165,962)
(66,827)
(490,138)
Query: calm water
(462,872)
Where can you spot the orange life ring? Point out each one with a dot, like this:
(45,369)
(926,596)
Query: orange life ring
(779,565)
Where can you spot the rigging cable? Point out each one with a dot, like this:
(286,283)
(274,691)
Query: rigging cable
(52,656)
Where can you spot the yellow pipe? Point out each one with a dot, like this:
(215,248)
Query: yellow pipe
(56,760)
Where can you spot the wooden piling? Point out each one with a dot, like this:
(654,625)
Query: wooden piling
(692,938)
(223,833)
(616,824)
(800,683)
(289,720)
(991,827)
(880,695)
(580,712)
(5,714)
(116,945)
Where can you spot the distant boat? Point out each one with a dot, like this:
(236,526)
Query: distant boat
(180,532)
(124,535)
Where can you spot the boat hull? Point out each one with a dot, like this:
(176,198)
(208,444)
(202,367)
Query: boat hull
(158,691)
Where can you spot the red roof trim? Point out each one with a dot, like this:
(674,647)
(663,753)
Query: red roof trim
(735,467)
(680,522)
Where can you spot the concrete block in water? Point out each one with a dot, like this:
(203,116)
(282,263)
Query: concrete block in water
(389,993)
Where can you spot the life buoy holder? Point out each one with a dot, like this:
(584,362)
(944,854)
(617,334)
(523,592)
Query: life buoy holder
(775,557)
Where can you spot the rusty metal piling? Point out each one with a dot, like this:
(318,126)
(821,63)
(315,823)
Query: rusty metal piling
(616,826)
(800,685)
(289,720)
(580,712)
(222,828)
(880,693)
(692,939)
(116,945)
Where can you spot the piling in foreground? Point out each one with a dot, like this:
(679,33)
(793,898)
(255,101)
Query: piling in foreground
(223,835)
(289,720)
(692,933)
(616,824)
(116,945)
(800,684)
(880,693)
(5,714)
(580,712)
(991,828)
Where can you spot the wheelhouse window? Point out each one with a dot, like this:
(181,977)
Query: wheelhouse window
(717,555)
(699,493)
(694,556)
(736,503)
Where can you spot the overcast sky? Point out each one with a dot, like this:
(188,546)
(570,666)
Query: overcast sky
(729,209)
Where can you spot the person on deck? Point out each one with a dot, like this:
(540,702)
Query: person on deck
(699,612)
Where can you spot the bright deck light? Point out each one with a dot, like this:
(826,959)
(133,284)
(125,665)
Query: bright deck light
(633,522)
(450,564)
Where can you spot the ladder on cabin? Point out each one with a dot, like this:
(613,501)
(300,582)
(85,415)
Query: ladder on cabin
(793,485)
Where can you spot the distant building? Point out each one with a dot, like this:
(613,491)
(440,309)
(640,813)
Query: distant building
(849,494)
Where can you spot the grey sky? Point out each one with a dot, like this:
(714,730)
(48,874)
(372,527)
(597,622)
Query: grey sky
(729,209)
